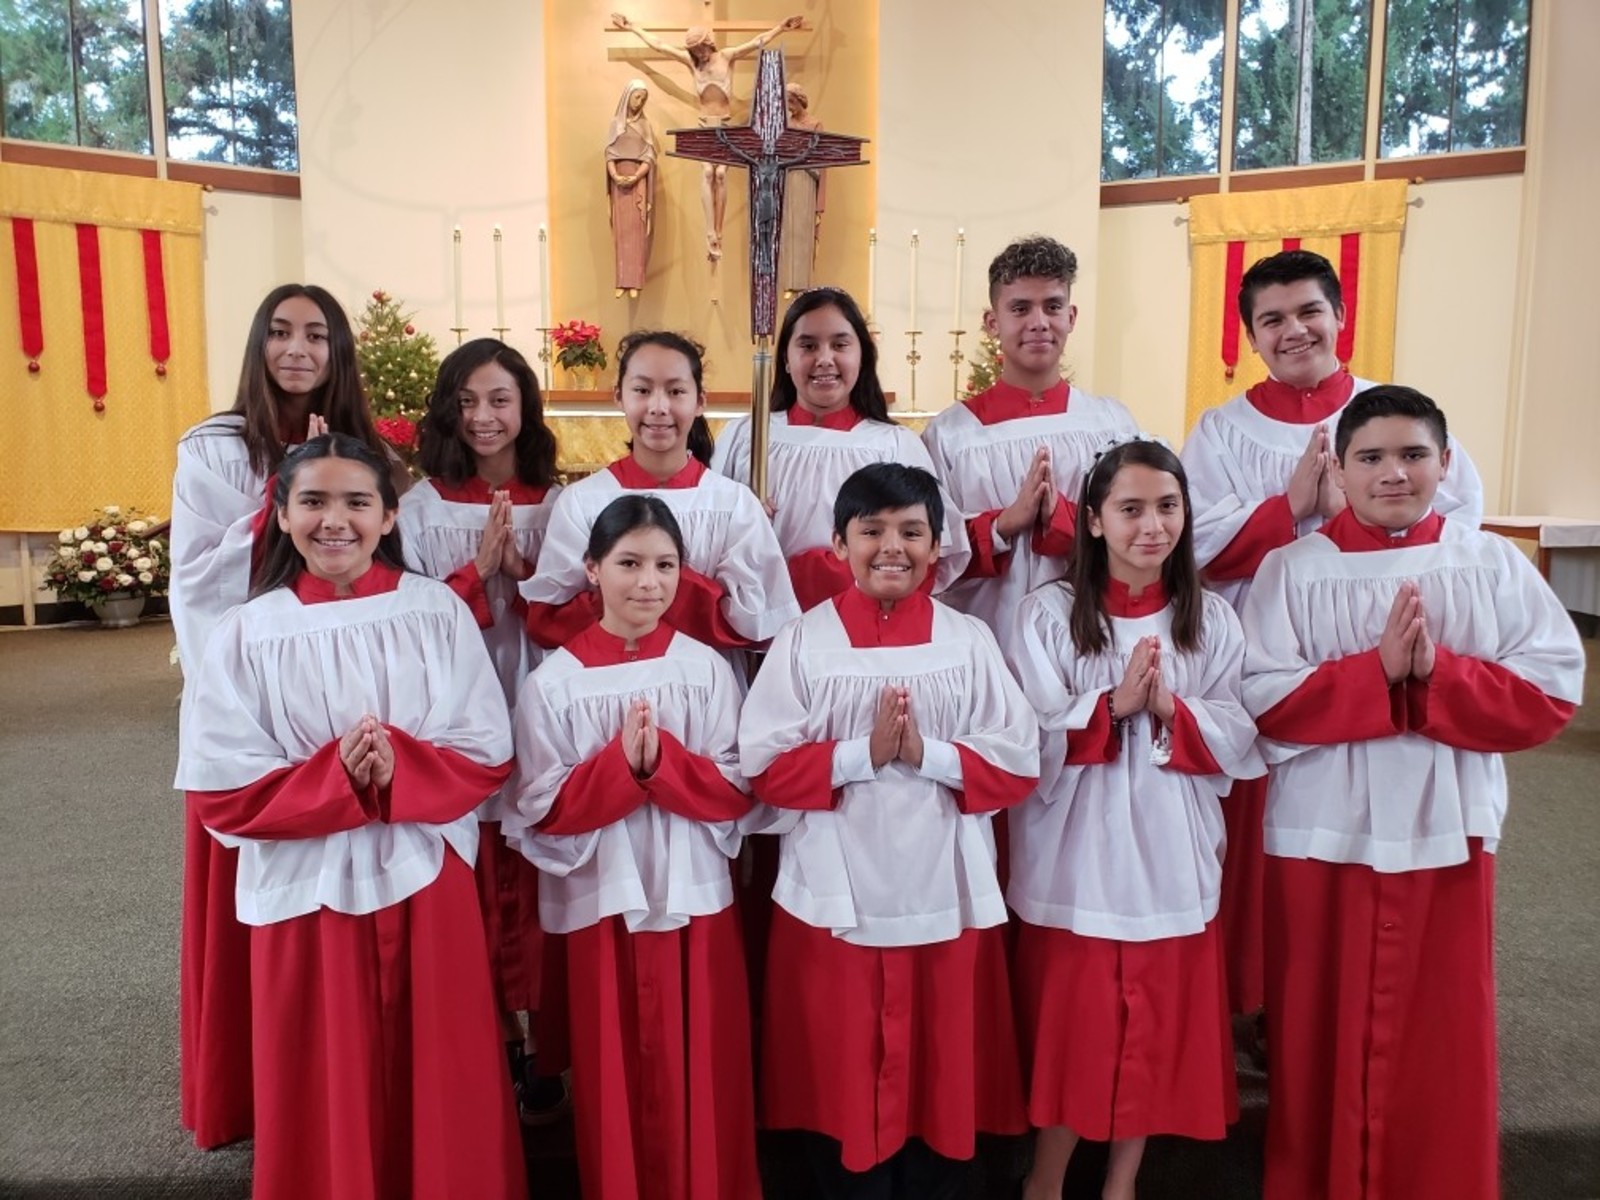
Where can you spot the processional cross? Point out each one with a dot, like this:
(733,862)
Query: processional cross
(768,149)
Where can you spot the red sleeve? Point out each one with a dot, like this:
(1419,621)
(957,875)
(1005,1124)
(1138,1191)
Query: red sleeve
(554,625)
(435,784)
(800,778)
(1344,700)
(697,611)
(1099,743)
(1054,537)
(985,788)
(310,799)
(1270,526)
(691,786)
(468,584)
(1477,705)
(985,563)
(597,793)
(1189,751)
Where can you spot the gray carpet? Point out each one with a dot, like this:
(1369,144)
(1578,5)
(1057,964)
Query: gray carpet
(90,865)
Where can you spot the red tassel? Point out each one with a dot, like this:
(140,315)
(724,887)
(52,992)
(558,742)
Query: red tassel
(1230,307)
(94,314)
(1350,285)
(29,311)
(1291,243)
(155,299)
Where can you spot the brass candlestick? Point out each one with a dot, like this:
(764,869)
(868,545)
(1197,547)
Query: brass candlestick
(546,352)
(913,357)
(956,359)
(459,331)
(500,331)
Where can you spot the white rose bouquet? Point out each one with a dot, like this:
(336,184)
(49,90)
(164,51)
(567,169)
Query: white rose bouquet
(112,553)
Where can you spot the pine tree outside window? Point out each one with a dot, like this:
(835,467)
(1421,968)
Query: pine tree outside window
(1455,76)
(1162,98)
(74,74)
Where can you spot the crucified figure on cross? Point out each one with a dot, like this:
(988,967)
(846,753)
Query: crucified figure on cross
(712,70)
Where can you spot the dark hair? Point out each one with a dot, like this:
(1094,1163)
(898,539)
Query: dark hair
(340,400)
(1090,570)
(281,561)
(440,450)
(701,444)
(1036,257)
(1388,400)
(622,516)
(1287,266)
(867,396)
(885,487)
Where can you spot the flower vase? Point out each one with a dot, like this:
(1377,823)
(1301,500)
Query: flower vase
(582,379)
(118,610)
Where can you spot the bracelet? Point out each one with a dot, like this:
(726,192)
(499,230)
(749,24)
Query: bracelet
(1111,708)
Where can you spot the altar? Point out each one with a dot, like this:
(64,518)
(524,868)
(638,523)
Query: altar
(1567,555)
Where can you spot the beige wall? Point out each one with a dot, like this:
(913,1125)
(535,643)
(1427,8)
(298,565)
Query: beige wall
(252,244)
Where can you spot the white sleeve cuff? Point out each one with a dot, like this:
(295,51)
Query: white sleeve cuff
(998,540)
(852,762)
(941,762)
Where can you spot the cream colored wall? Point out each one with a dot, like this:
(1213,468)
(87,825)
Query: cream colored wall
(989,119)
(1556,433)
(1454,316)
(415,118)
(252,244)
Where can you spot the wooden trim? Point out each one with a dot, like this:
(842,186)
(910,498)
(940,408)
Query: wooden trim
(1268,179)
(1156,191)
(1468,164)
(76,158)
(235,179)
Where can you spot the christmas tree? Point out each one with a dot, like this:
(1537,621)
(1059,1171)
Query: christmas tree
(985,367)
(398,368)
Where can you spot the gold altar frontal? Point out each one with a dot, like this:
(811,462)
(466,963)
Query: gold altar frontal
(591,433)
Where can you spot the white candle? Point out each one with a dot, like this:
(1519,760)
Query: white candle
(913,303)
(961,243)
(544,279)
(499,283)
(456,246)
(872,275)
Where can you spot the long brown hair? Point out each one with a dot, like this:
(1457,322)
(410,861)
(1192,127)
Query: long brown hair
(340,400)
(440,450)
(1091,561)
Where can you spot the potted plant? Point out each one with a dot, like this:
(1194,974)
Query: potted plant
(112,562)
(579,352)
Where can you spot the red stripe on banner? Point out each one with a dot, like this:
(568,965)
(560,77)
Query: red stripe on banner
(1291,243)
(1350,285)
(155,296)
(94,313)
(28,308)
(1230,306)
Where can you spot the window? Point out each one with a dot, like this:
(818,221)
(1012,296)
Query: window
(76,73)
(1454,79)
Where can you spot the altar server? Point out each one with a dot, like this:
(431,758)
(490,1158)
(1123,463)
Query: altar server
(733,586)
(1392,657)
(299,374)
(1116,861)
(347,725)
(829,418)
(1260,472)
(1013,456)
(627,796)
(477,522)
(886,731)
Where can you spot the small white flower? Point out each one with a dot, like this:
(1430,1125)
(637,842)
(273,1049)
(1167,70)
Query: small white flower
(66,538)
(101,547)
(143,564)
(155,543)
(85,576)
(111,510)
(146,577)
(86,547)
(103,563)
(81,532)
(124,580)
(137,527)
(152,519)
(110,531)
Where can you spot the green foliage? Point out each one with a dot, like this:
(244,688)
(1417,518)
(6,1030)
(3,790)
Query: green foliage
(398,364)
(1451,86)
(1279,123)
(78,80)
(984,366)
(1147,131)
(229,74)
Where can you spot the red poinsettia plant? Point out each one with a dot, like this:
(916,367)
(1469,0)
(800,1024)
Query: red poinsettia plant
(578,346)
(112,553)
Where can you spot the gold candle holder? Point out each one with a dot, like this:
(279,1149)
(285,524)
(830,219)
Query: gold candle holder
(459,331)
(913,357)
(956,359)
(546,349)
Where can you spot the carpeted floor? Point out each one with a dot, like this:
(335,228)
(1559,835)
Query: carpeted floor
(89,878)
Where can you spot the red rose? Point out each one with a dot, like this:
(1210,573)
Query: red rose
(88,557)
(113,547)
(108,584)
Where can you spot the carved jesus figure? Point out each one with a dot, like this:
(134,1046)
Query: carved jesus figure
(712,71)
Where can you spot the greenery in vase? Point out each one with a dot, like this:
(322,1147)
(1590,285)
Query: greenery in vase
(578,346)
(111,553)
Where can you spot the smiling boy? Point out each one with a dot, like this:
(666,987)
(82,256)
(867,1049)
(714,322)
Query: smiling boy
(1012,458)
(884,730)
(1391,658)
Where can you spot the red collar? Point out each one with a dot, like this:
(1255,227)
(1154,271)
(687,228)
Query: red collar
(840,419)
(477,491)
(1351,536)
(1302,406)
(1119,603)
(1005,402)
(375,579)
(908,623)
(635,478)
(594,647)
